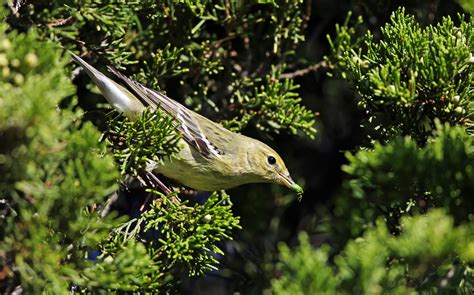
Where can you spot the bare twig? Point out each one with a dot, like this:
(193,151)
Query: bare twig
(227,10)
(112,199)
(61,22)
(322,64)
(219,42)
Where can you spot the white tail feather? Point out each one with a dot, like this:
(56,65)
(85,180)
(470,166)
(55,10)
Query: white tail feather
(118,96)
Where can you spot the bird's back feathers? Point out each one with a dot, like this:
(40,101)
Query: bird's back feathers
(186,121)
(134,102)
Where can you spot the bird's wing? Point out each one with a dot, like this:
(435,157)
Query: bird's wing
(187,124)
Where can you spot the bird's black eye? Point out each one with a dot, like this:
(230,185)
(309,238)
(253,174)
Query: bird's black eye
(271,160)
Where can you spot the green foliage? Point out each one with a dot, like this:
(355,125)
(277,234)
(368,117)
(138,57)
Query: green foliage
(191,238)
(274,105)
(130,269)
(24,73)
(409,75)
(56,177)
(297,270)
(150,137)
(430,254)
(53,171)
(83,21)
(167,40)
(179,237)
(402,223)
(467,5)
(383,182)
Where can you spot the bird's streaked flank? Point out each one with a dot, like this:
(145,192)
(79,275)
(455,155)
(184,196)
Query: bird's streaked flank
(211,157)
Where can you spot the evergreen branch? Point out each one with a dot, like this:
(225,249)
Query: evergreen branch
(301,72)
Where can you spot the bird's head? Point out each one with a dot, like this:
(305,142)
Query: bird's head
(271,168)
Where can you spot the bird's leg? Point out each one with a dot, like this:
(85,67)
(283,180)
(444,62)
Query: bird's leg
(146,202)
(157,182)
(174,199)
(150,179)
(145,184)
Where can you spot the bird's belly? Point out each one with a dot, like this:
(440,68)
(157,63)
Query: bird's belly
(197,172)
(194,179)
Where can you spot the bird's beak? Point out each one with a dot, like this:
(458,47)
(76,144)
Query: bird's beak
(287,181)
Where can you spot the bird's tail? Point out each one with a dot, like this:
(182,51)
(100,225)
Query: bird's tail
(118,96)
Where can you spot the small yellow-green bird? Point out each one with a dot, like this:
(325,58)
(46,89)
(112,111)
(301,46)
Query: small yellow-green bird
(211,157)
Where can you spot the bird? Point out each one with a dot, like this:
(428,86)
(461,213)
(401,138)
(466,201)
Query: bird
(211,157)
